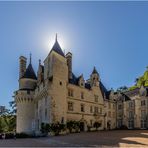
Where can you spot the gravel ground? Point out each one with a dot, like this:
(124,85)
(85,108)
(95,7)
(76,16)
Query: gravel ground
(117,138)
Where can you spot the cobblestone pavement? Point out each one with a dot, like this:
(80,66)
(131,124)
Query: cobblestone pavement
(117,138)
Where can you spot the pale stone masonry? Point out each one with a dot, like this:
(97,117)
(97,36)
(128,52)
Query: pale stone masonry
(57,95)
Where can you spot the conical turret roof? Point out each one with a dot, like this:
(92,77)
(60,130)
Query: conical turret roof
(30,73)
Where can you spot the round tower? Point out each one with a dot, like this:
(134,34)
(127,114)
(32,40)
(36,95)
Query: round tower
(24,98)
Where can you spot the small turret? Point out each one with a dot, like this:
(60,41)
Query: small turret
(95,79)
(24,98)
(28,80)
(81,81)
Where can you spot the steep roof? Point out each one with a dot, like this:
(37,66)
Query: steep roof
(29,73)
(56,47)
(104,91)
(94,71)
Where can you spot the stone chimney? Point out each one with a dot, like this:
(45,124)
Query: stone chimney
(69,64)
(23,61)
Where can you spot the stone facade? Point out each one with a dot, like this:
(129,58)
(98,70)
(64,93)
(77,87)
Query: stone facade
(132,108)
(57,95)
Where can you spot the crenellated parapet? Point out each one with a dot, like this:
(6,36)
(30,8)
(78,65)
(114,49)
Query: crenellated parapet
(24,96)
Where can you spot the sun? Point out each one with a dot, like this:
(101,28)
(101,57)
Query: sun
(60,40)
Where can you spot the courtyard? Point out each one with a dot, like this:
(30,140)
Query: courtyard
(116,138)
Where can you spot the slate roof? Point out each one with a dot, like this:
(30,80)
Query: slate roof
(30,73)
(104,91)
(132,92)
(74,79)
(94,71)
(56,47)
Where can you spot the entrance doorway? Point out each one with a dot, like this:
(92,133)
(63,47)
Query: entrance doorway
(81,126)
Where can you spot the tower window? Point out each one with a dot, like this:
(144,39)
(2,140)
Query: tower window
(60,83)
(70,92)
(82,108)
(46,114)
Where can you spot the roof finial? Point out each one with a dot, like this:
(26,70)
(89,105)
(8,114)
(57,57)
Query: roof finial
(56,37)
(30,57)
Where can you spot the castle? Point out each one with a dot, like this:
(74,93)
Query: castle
(55,94)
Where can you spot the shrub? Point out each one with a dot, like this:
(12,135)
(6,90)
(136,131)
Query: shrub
(9,135)
(97,125)
(89,128)
(45,128)
(73,125)
(56,128)
(69,125)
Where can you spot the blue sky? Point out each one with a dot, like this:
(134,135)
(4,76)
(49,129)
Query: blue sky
(113,36)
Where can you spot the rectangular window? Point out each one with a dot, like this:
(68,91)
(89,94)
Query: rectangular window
(46,114)
(70,106)
(45,101)
(143,114)
(96,98)
(96,109)
(143,103)
(119,106)
(131,104)
(91,109)
(109,114)
(82,95)
(91,122)
(131,114)
(82,108)
(100,111)
(70,92)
